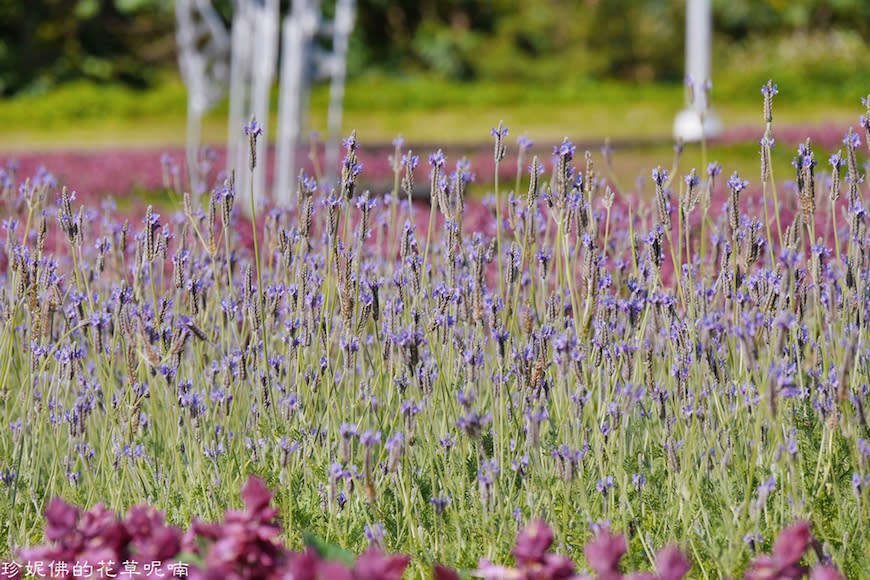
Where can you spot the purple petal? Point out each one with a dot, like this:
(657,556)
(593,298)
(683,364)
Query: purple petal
(825,573)
(533,542)
(256,495)
(604,552)
(440,572)
(672,564)
(61,519)
(373,564)
(791,544)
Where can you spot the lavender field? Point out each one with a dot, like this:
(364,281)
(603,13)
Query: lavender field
(669,375)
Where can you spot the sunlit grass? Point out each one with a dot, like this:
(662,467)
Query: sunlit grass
(424,110)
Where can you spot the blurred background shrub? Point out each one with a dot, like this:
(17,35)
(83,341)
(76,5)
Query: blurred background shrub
(44,43)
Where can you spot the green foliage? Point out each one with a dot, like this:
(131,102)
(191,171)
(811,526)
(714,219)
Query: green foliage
(89,101)
(45,42)
(327,550)
(809,66)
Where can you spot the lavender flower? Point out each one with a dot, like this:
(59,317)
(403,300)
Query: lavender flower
(437,159)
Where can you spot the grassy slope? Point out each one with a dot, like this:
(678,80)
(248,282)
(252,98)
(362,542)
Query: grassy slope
(423,110)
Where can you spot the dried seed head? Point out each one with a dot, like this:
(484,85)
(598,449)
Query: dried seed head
(663,197)
(78,230)
(253,130)
(40,241)
(228,198)
(65,215)
(656,249)
(332,216)
(193,296)
(765,158)
(408,178)
(308,215)
(806,163)
(179,339)
(196,330)
(735,185)
(212,221)
(534,174)
(607,201)
(768,91)
(499,133)
(816,266)
(528,318)
(792,235)
(590,267)
(248,289)
(256,317)
(513,271)
(692,194)
(836,162)
(161,246)
(122,241)
(648,366)
(177,272)
(724,270)
(149,235)
(150,355)
(365,211)
(752,244)
(852,166)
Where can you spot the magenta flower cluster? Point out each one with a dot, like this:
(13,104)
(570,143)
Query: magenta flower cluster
(247,545)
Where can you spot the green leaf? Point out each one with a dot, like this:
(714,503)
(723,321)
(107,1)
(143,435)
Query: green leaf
(328,551)
(86,9)
(191,559)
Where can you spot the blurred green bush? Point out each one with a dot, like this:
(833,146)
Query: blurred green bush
(47,42)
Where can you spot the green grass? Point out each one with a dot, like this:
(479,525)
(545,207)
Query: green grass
(424,110)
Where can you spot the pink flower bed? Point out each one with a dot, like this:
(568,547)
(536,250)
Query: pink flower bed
(120,172)
(247,545)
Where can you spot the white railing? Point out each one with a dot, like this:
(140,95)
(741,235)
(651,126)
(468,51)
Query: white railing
(244,61)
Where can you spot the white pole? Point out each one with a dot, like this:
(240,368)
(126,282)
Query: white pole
(293,54)
(345,11)
(239,72)
(202,46)
(698,119)
(265,60)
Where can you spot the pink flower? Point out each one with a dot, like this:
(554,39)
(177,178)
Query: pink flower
(532,560)
(151,539)
(825,573)
(373,564)
(61,519)
(443,573)
(605,551)
(672,564)
(245,541)
(533,542)
(307,565)
(554,567)
(257,496)
(489,571)
(791,544)
(765,568)
(92,536)
(783,563)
